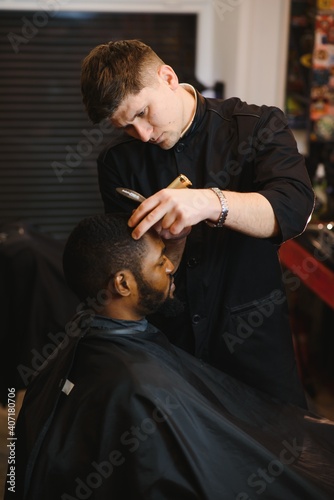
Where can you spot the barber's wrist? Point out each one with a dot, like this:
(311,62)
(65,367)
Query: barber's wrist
(218,219)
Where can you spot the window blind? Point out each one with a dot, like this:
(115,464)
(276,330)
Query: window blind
(48,174)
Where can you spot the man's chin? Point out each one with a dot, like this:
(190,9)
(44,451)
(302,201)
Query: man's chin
(165,146)
(171,307)
(168,142)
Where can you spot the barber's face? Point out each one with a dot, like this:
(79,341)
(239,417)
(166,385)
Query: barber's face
(155,114)
(155,284)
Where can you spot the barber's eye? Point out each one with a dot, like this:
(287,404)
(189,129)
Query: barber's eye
(142,113)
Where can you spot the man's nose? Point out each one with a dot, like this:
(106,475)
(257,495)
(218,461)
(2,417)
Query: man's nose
(143,131)
(169,266)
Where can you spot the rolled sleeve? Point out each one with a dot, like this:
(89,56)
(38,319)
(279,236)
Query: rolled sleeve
(281,175)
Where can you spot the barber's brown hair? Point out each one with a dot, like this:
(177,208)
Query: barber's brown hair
(114,70)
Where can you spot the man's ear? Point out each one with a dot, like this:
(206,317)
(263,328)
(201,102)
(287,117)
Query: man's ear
(168,75)
(121,283)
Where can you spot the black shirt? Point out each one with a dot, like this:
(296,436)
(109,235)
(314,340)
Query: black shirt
(236,314)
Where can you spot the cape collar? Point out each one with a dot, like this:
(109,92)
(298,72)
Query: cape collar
(118,325)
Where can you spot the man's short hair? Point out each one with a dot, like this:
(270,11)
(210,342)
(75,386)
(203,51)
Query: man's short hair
(112,71)
(97,248)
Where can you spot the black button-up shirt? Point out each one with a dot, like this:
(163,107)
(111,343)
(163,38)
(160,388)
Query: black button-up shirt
(236,313)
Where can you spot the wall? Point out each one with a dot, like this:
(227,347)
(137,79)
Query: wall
(251,44)
(242,42)
(250,52)
(48,146)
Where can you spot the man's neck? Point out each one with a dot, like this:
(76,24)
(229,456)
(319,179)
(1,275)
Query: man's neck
(120,313)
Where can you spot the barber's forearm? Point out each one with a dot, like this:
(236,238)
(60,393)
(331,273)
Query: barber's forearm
(172,211)
(249,213)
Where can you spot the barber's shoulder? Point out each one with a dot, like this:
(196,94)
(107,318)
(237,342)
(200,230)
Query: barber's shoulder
(247,109)
(262,113)
(250,118)
(114,143)
(260,116)
(234,107)
(117,138)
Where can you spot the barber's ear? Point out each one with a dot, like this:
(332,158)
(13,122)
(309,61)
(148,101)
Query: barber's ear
(121,283)
(168,75)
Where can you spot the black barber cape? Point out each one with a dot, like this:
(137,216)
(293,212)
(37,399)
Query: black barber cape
(118,412)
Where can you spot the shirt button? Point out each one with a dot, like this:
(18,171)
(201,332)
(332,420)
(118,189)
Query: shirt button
(180,147)
(196,319)
(192,262)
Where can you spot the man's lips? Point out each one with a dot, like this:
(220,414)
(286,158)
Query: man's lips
(159,139)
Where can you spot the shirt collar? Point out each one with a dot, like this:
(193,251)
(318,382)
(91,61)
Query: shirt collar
(191,90)
(200,110)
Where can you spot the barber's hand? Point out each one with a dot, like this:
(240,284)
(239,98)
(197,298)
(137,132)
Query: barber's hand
(166,235)
(173,211)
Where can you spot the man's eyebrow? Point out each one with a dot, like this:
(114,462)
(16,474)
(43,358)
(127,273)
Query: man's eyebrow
(128,121)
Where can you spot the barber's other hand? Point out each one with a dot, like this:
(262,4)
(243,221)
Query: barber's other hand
(174,211)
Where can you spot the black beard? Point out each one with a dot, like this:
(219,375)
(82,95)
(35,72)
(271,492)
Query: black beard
(152,301)
(171,308)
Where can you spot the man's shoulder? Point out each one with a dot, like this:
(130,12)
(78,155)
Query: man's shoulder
(234,107)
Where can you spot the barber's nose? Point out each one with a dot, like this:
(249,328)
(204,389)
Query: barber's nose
(143,132)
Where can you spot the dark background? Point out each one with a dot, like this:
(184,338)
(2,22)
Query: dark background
(42,119)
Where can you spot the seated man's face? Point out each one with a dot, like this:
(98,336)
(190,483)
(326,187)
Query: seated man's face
(155,280)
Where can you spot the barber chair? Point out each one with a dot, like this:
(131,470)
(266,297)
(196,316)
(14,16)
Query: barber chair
(35,302)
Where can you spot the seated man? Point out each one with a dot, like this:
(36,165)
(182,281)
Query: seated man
(118,412)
